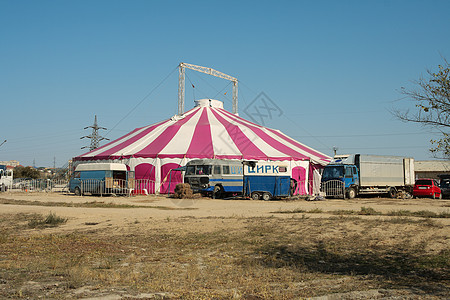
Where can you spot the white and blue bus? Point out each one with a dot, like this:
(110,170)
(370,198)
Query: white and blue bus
(215,177)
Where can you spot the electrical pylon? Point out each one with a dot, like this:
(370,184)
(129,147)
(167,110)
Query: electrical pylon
(95,137)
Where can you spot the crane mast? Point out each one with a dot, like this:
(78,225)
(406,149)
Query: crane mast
(208,71)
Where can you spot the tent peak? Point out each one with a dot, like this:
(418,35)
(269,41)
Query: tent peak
(208,103)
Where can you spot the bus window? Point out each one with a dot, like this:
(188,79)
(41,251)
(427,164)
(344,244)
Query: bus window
(203,170)
(190,170)
(216,169)
(226,169)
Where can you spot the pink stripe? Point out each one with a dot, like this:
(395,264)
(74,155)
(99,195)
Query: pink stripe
(105,146)
(130,141)
(272,142)
(268,138)
(154,148)
(242,142)
(201,143)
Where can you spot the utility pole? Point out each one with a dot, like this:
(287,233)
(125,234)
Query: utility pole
(95,137)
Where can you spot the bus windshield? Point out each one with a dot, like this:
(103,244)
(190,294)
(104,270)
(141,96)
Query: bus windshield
(198,170)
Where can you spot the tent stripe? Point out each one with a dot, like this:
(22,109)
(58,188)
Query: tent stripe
(201,144)
(272,142)
(244,144)
(282,136)
(164,138)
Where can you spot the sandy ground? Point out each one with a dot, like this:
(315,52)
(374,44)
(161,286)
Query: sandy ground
(205,214)
(161,207)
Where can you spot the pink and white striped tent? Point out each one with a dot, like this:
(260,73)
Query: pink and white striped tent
(206,131)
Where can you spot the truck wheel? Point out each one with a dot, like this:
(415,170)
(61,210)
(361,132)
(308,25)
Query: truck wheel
(392,193)
(266,196)
(77,191)
(351,193)
(255,196)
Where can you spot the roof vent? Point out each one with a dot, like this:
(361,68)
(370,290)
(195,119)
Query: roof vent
(208,103)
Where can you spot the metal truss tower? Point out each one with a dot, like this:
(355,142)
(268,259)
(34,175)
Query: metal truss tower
(208,71)
(95,137)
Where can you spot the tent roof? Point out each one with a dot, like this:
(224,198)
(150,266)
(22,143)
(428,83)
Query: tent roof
(206,131)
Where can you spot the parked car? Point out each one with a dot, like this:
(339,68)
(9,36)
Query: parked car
(427,188)
(445,187)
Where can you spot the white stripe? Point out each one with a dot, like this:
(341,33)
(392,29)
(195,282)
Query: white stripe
(262,145)
(179,144)
(221,140)
(290,141)
(115,143)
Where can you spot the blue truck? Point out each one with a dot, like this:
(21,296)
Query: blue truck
(101,178)
(267,180)
(348,176)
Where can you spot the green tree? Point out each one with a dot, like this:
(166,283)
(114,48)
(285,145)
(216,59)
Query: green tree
(431,97)
(26,172)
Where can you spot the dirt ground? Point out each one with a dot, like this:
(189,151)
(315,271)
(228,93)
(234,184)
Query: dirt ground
(319,226)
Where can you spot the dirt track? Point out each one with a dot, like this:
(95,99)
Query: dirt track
(164,207)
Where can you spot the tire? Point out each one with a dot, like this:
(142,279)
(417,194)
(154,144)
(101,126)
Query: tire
(218,192)
(293,187)
(392,193)
(255,196)
(77,191)
(266,196)
(351,193)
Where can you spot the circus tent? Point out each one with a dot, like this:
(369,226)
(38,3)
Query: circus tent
(206,131)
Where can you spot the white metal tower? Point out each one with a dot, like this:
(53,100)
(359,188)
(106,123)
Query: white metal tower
(208,71)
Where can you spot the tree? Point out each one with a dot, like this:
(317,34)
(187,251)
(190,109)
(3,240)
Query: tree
(432,101)
(26,172)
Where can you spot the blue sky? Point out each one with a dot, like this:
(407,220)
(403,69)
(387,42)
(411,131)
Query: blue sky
(334,68)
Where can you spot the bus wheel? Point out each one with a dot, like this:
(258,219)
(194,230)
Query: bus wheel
(255,196)
(266,196)
(218,192)
(77,191)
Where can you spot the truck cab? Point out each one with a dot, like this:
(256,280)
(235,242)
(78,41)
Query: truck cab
(347,174)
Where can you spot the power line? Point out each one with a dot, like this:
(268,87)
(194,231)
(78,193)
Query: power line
(143,99)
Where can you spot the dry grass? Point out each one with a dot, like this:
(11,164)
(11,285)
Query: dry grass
(247,258)
(369,211)
(91,204)
(183,191)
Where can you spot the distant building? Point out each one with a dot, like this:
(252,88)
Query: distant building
(12,163)
(431,168)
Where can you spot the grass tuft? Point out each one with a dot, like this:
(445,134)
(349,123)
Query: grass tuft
(51,220)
